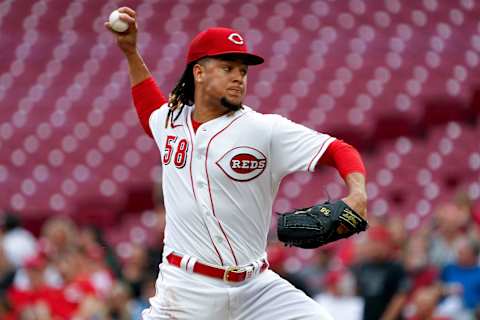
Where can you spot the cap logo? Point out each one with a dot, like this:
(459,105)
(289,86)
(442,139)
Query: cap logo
(236,38)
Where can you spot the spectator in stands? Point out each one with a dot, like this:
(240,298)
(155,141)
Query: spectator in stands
(398,232)
(96,270)
(465,272)
(314,273)
(77,284)
(18,243)
(381,280)
(92,308)
(419,270)
(449,220)
(472,214)
(338,298)
(425,304)
(119,304)
(38,300)
(135,270)
(59,235)
(421,273)
(90,237)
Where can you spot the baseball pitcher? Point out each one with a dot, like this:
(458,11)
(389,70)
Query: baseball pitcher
(222,165)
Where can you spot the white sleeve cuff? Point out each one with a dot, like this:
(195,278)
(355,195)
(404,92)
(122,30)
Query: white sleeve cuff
(320,152)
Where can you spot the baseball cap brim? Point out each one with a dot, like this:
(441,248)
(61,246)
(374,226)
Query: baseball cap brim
(248,58)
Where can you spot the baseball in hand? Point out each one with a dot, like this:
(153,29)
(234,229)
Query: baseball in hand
(115,22)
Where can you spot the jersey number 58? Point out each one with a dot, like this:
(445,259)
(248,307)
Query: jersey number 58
(179,154)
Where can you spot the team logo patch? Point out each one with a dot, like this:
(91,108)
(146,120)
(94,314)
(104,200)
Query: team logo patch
(236,38)
(243,163)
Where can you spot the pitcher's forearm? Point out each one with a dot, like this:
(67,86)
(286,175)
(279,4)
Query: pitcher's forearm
(355,182)
(137,69)
(357,194)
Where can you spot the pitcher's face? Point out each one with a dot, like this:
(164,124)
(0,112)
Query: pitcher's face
(223,80)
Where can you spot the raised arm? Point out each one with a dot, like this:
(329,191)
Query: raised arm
(127,42)
(147,97)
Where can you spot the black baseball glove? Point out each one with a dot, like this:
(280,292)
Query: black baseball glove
(318,225)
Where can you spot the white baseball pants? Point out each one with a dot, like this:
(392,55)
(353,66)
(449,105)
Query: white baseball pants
(181,295)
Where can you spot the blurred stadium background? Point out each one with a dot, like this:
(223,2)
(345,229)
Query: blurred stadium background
(80,183)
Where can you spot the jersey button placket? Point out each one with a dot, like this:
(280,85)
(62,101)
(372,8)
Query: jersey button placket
(200,153)
(200,177)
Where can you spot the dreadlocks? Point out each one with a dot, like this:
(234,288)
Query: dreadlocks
(181,95)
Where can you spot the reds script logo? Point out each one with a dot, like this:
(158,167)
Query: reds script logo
(243,163)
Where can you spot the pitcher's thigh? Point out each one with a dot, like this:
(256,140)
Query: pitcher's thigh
(274,298)
(180,297)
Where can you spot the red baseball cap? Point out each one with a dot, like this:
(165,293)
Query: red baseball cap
(220,41)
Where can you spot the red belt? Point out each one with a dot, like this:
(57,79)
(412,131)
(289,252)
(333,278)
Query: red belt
(231,274)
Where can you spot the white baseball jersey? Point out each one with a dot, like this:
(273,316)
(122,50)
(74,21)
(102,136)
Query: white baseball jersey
(219,183)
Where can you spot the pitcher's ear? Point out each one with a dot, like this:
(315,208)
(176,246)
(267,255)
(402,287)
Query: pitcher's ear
(198,73)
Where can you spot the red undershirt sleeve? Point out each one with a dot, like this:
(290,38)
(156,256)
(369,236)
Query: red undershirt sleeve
(343,157)
(147,98)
